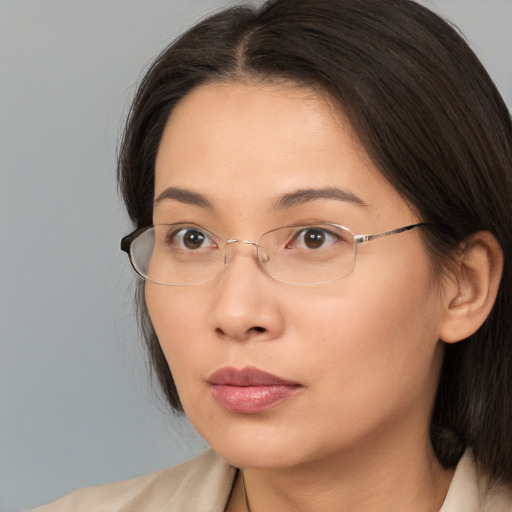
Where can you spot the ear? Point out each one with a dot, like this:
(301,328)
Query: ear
(472,290)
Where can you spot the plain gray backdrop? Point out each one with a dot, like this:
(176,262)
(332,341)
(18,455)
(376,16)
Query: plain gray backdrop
(76,408)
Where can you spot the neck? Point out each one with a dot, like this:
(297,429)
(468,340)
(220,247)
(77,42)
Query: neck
(401,480)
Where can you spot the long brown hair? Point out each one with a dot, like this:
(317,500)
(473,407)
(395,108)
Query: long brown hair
(433,123)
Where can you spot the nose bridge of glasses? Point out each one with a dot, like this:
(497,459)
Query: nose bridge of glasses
(230,241)
(260,250)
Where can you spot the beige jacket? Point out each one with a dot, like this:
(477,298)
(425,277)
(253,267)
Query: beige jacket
(204,483)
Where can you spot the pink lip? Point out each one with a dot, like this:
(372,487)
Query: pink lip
(249,390)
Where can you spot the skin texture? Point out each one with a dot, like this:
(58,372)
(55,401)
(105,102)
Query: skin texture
(365,349)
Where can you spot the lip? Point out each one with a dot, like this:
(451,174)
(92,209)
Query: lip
(249,390)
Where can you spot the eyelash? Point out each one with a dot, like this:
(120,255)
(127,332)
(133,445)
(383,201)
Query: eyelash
(179,233)
(328,237)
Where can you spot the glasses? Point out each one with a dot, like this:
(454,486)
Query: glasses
(185,254)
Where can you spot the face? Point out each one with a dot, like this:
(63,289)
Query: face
(353,363)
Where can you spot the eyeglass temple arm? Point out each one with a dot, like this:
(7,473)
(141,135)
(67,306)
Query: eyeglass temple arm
(127,240)
(359,239)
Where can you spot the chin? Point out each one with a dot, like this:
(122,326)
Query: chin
(249,443)
(258,457)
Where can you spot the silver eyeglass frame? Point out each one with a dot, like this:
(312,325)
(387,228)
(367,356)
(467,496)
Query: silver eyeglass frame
(127,241)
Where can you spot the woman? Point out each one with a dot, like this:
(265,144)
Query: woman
(321,191)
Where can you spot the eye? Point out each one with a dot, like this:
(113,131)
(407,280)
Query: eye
(189,238)
(313,238)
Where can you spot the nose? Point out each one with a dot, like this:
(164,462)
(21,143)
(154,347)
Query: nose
(245,305)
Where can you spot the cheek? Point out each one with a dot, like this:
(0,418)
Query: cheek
(178,318)
(373,338)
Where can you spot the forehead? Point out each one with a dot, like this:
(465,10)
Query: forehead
(237,142)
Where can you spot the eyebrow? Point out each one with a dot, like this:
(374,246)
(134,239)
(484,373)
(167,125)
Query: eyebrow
(289,200)
(184,196)
(302,196)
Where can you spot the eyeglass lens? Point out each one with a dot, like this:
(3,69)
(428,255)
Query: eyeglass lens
(178,254)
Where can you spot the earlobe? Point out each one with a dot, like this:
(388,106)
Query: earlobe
(470,295)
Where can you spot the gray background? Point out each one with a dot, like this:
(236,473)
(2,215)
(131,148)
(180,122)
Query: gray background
(76,407)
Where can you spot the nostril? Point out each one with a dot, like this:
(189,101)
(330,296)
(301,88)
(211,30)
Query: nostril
(257,329)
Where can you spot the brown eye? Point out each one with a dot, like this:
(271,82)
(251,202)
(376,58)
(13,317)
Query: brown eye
(190,239)
(193,239)
(314,238)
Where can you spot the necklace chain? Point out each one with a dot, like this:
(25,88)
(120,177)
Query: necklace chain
(248,508)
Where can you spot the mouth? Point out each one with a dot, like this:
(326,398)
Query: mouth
(249,390)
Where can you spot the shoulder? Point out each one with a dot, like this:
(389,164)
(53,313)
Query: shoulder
(204,479)
(470,492)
